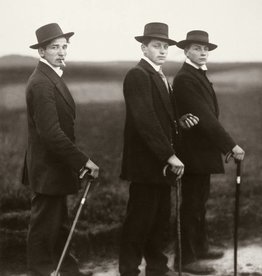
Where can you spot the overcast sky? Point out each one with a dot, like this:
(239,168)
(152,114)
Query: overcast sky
(105,29)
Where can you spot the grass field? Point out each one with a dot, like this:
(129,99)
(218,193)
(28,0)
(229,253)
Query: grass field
(99,128)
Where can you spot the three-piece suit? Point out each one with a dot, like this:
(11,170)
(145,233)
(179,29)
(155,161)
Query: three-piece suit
(200,151)
(150,138)
(51,168)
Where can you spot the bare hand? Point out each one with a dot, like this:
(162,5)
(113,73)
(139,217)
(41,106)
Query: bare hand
(188,120)
(177,167)
(238,153)
(91,168)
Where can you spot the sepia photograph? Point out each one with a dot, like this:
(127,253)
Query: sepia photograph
(130,138)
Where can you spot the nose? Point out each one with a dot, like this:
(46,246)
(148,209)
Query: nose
(163,50)
(62,51)
(204,52)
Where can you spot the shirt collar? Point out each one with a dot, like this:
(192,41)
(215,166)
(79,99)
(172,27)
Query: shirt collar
(203,67)
(58,70)
(156,67)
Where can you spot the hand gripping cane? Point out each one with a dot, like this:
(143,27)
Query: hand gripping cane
(88,181)
(167,172)
(236,214)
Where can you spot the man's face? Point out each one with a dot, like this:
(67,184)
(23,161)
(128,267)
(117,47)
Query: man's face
(197,53)
(55,52)
(156,51)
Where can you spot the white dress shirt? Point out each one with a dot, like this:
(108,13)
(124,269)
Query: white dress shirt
(156,67)
(203,67)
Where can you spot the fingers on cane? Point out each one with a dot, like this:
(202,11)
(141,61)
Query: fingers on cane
(179,172)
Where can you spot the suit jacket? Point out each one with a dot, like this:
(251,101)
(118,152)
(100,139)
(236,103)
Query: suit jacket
(52,160)
(150,129)
(201,146)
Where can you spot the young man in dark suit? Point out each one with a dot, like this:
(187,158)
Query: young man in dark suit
(200,149)
(53,162)
(150,141)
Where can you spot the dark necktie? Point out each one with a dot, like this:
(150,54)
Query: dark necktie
(202,72)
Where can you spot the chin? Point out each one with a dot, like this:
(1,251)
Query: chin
(160,62)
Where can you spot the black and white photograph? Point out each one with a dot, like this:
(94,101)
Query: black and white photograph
(130,138)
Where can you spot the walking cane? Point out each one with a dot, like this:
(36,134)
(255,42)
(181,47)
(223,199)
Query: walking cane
(88,182)
(167,172)
(236,214)
(178,204)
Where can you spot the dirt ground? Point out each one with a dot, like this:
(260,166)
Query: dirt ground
(249,263)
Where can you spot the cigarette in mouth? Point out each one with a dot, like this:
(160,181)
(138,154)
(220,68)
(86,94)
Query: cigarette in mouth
(63,63)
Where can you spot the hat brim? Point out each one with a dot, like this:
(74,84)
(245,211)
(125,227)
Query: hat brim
(38,45)
(143,37)
(183,43)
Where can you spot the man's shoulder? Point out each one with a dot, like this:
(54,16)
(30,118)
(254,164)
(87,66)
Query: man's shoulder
(183,73)
(38,78)
(142,67)
(137,71)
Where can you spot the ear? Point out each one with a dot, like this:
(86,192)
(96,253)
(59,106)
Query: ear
(143,48)
(41,52)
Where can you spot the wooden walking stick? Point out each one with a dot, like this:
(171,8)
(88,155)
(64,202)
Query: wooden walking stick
(168,173)
(178,205)
(238,182)
(88,181)
(236,212)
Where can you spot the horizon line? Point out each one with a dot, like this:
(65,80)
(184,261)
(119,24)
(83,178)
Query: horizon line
(128,60)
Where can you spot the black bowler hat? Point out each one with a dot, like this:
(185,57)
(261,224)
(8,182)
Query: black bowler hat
(49,32)
(156,30)
(196,36)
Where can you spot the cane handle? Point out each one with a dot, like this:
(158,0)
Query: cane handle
(165,170)
(228,156)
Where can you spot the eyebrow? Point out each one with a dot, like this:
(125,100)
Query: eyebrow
(57,44)
(199,45)
(160,43)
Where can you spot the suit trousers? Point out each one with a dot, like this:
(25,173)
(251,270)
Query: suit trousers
(195,193)
(145,229)
(48,231)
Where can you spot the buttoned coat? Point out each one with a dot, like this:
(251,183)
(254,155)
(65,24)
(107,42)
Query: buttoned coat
(52,160)
(202,145)
(150,128)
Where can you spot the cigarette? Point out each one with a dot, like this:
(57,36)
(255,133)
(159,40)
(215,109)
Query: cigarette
(63,63)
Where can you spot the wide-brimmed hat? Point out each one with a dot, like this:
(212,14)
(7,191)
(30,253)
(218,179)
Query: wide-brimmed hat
(49,32)
(156,30)
(196,36)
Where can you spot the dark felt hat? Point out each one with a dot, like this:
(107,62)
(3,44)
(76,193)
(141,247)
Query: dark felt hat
(196,36)
(156,30)
(49,32)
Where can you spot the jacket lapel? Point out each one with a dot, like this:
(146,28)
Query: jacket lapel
(63,89)
(160,87)
(209,91)
(59,83)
